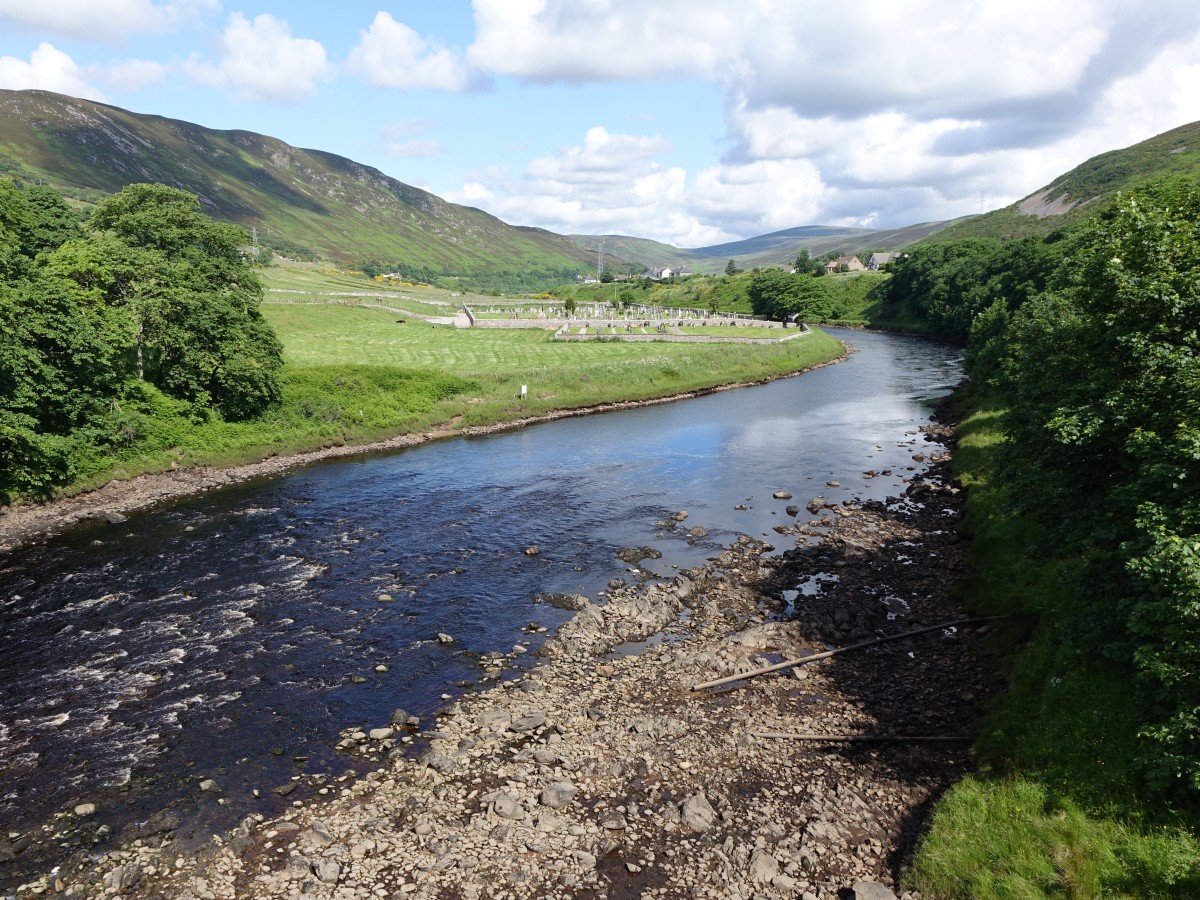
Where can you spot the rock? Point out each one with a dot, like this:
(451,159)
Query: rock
(85,809)
(494,720)
(507,807)
(208,785)
(612,819)
(634,555)
(792,510)
(439,762)
(573,602)
(123,877)
(697,531)
(559,794)
(763,867)
(785,883)
(606,670)
(680,516)
(583,859)
(532,551)
(444,638)
(298,867)
(528,722)
(328,871)
(380,734)
(400,717)
(386,598)
(816,504)
(112,517)
(782,495)
(833,484)
(284,789)
(871,890)
(696,813)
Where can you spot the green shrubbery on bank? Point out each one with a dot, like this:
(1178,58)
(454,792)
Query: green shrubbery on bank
(1080,449)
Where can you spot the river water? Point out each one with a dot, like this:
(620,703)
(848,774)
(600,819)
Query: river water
(232,635)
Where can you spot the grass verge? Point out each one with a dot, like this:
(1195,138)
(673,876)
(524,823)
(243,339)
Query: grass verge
(1055,809)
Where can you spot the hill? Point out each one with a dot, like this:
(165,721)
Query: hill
(299,200)
(1086,189)
(774,249)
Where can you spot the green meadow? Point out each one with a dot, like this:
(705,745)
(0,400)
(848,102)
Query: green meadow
(353,375)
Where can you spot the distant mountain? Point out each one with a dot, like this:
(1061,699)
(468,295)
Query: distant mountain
(1085,190)
(774,249)
(306,198)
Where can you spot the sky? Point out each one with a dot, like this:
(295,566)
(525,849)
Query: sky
(692,122)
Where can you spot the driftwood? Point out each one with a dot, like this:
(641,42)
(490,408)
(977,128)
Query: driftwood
(848,738)
(729,679)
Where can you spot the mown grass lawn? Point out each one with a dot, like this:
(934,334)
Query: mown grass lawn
(558,374)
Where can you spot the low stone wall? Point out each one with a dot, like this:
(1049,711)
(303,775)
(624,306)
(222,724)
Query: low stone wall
(637,337)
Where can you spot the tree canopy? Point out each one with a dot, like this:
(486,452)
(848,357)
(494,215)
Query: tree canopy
(150,290)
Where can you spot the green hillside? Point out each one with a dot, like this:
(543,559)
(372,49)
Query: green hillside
(775,249)
(1086,189)
(299,200)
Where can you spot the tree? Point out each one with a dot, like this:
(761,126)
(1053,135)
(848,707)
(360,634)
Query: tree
(778,295)
(190,298)
(569,305)
(1102,381)
(731,268)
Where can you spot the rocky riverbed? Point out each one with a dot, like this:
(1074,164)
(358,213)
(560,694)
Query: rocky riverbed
(602,773)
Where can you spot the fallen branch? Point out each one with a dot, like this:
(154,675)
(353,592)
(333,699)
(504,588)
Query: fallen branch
(729,679)
(848,738)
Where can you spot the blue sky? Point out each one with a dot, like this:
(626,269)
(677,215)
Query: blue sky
(688,121)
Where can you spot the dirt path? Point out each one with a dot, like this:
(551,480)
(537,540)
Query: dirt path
(605,775)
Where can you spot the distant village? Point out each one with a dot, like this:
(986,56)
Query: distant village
(833,266)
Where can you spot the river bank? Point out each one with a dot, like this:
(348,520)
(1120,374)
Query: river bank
(22,523)
(602,774)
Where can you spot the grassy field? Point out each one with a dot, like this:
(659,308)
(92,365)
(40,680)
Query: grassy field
(353,375)
(1055,808)
(500,361)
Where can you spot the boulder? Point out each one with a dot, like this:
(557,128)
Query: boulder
(696,813)
(559,794)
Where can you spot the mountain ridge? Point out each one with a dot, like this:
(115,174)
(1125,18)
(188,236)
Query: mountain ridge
(1086,189)
(308,198)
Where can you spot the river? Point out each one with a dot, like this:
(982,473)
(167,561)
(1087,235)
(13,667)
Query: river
(232,635)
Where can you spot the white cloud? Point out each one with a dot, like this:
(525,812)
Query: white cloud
(609,183)
(599,40)
(102,20)
(47,69)
(864,111)
(262,59)
(135,74)
(390,54)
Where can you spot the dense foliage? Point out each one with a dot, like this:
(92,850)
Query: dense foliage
(150,293)
(780,295)
(1090,342)
(945,286)
(1102,380)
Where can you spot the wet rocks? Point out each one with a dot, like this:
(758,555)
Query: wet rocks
(635,555)
(85,809)
(782,495)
